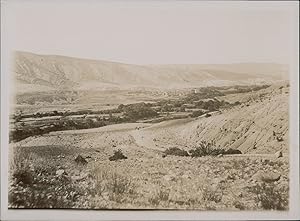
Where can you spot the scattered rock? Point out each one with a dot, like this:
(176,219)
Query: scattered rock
(266,161)
(81,177)
(267,177)
(80,160)
(169,178)
(230,177)
(60,172)
(278,154)
(186,176)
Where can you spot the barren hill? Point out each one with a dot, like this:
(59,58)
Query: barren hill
(51,72)
(259,125)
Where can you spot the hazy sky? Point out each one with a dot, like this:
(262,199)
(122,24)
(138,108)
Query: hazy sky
(153,32)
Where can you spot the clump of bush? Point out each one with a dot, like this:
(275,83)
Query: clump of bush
(160,195)
(80,160)
(206,149)
(232,151)
(118,155)
(197,113)
(176,151)
(270,196)
(25,131)
(209,149)
(116,185)
(137,111)
(39,186)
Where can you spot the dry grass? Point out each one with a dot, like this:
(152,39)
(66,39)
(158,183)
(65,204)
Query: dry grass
(35,185)
(205,183)
(270,196)
(113,184)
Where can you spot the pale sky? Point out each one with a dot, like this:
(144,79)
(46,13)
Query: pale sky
(153,31)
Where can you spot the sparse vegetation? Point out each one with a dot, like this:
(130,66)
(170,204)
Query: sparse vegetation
(138,111)
(118,155)
(197,113)
(35,185)
(110,183)
(159,196)
(212,194)
(209,149)
(206,149)
(270,196)
(176,152)
(24,131)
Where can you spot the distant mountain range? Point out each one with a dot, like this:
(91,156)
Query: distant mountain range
(52,72)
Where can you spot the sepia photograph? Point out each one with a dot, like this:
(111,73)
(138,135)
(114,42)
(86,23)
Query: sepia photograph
(149,106)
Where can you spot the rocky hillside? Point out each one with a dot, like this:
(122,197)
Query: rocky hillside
(51,72)
(259,125)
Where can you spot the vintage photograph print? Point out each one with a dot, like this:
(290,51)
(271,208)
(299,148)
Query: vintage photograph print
(149,105)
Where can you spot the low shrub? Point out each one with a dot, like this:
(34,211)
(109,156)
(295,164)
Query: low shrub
(270,196)
(212,194)
(206,149)
(232,151)
(176,151)
(44,192)
(160,195)
(197,113)
(112,183)
(38,186)
(118,155)
(210,149)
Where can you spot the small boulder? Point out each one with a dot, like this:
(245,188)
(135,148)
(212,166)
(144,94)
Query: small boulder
(267,177)
(279,138)
(60,172)
(80,160)
(186,176)
(169,177)
(278,154)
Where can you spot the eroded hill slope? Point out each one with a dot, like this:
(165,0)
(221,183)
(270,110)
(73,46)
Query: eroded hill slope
(259,125)
(46,72)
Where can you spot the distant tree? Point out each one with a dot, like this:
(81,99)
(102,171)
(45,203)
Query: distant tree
(197,113)
(120,107)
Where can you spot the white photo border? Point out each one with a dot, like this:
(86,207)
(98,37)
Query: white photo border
(74,214)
